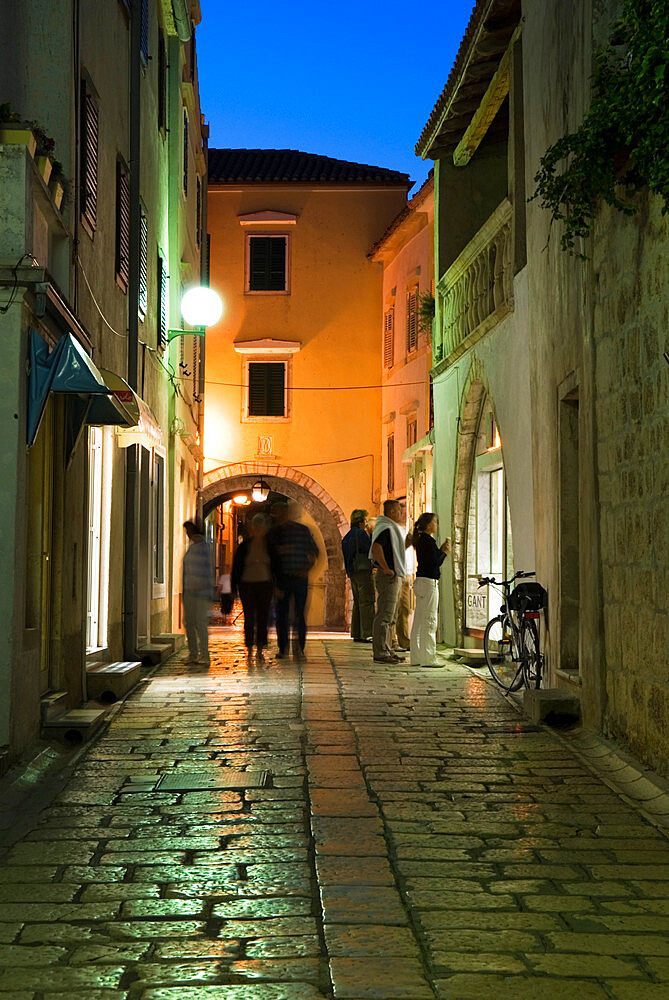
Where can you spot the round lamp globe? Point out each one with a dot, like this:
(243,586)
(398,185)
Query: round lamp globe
(201,307)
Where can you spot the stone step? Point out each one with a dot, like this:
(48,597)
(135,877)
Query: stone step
(107,682)
(554,706)
(473,657)
(176,640)
(154,652)
(74,726)
(52,704)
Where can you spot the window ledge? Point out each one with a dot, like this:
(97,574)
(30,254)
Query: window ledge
(267,346)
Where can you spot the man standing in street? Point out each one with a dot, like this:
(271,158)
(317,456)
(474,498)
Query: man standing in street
(297,553)
(198,585)
(355,548)
(387,554)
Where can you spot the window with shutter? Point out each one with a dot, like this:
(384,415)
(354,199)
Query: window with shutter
(412,319)
(267,393)
(185,177)
(267,263)
(162,83)
(144,30)
(161,297)
(198,212)
(412,431)
(143,264)
(89,155)
(196,366)
(391,462)
(122,225)
(388,338)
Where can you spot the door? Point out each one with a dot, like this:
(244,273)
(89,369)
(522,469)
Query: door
(39,542)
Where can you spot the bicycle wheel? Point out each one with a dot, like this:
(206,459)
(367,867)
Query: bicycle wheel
(504,670)
(530,658)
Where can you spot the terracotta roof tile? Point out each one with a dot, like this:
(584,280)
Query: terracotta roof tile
(264,166)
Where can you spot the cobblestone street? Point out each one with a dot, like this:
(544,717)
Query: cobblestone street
(413,838)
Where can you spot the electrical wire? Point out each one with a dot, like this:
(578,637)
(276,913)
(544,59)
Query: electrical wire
(12,295)
(320,388)
(95,302)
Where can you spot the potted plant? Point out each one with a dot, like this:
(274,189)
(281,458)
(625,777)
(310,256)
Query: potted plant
(57,184)
(14,131)
(43,151)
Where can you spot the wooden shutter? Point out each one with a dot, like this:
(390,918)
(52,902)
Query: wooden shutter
(144,30)
(162,82)
(412,319)
(89,155)
(196,366)
(143,264)
(391,462)
(198,212)
(161,286)
(267,263)
(388,338)
(267,389)
(185,177)
(122,225)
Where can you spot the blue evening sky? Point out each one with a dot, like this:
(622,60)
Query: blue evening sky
(356,81)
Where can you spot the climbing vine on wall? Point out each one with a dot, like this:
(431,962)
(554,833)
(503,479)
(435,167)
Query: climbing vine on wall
(623,142)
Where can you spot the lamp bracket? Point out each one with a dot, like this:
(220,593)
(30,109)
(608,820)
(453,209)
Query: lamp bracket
(172,333)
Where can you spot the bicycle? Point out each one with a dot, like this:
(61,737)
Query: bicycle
(511,639)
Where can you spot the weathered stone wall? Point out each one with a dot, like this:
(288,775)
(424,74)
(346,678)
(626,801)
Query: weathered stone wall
(631,319)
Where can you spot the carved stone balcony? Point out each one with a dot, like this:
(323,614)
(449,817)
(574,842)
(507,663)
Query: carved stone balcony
(477,290)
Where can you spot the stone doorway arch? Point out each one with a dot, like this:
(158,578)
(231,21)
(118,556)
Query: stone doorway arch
(326,512)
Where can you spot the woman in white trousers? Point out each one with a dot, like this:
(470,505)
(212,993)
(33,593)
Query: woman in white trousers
(430,556)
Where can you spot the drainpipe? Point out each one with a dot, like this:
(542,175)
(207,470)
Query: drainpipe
(130,565)
(204,278)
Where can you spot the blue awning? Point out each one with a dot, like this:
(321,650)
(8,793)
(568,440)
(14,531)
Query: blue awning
(67,369)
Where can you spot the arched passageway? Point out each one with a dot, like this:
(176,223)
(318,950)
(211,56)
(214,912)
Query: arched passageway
(220,483)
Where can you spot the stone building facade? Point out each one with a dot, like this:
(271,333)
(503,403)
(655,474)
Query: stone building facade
(93,259)
(293,396)
(566,359)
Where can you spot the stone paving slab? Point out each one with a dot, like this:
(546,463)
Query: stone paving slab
(417,839)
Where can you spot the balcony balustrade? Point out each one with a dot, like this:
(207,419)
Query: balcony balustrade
(477,290)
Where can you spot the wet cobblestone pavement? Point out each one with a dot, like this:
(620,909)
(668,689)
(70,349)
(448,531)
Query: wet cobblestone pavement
(415,838)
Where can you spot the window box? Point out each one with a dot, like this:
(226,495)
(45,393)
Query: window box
(16,134)
(44,165)
(57,190)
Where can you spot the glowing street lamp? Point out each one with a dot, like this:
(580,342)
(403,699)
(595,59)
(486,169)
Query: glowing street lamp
(200,307)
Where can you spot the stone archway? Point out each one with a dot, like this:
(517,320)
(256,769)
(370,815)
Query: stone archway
(325,511)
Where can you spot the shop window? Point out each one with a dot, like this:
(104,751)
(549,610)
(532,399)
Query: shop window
(100,457)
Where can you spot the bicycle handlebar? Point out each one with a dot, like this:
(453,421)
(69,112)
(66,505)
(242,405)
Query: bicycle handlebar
(483,580)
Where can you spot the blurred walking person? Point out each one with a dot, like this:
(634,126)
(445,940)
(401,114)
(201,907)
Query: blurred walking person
(198,590)
(297,553)
(355,549)
(430,556)
(387,554)
(254,569)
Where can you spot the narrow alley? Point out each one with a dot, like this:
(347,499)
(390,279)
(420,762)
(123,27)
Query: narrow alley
(335,828)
